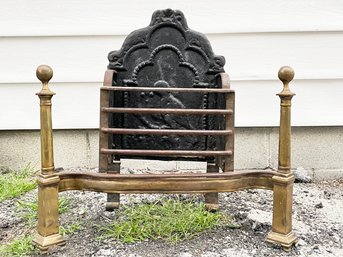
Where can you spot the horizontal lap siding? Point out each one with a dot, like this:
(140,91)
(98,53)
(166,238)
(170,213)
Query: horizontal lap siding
(115,17)
(248,56)
(256,104)
(256,37)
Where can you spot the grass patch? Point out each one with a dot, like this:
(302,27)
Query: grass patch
(18,248)
(171,220)
(23,246)
(16,183)
(29,210)
(70,229)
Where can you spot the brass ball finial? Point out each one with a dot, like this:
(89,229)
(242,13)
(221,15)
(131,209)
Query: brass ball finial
(44,73)
(286,74)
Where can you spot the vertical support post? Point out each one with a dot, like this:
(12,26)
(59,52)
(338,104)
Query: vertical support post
(211,199)
(113,200)
(48,228)
(106,162)
(104,159)
(229,123)
(282,232)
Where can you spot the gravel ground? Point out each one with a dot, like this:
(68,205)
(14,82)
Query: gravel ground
(317,220)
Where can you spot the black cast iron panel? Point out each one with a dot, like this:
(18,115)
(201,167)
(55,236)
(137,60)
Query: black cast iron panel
(166,54)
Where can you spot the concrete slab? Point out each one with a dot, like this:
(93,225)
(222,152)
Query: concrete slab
(315,149)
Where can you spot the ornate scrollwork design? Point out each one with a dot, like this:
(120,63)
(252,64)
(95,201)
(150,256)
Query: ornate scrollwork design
(169,15)
(150,62)
(170,20)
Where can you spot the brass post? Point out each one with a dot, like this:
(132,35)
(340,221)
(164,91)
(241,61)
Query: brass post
(282,232)
(44,74)
(48,228)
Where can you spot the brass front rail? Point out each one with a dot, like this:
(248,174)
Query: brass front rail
(166,183)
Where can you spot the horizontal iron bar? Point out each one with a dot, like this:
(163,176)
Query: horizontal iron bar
(166,183)
(166,132)
(166,111)
(168,89)
(164,152)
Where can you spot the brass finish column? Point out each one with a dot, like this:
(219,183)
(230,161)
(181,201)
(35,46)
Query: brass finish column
(282,233)
(48,228)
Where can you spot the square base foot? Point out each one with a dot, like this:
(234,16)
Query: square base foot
(44,242)
(111,206)
(286,241)
(212,207)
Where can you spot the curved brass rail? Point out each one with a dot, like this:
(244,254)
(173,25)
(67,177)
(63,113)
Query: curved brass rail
(166,183)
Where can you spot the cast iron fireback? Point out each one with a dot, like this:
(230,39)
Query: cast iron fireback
(166,54)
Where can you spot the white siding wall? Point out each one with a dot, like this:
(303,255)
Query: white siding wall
(256,37)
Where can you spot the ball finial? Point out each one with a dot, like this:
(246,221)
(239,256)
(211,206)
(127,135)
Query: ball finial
(286,74)
(44,73)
